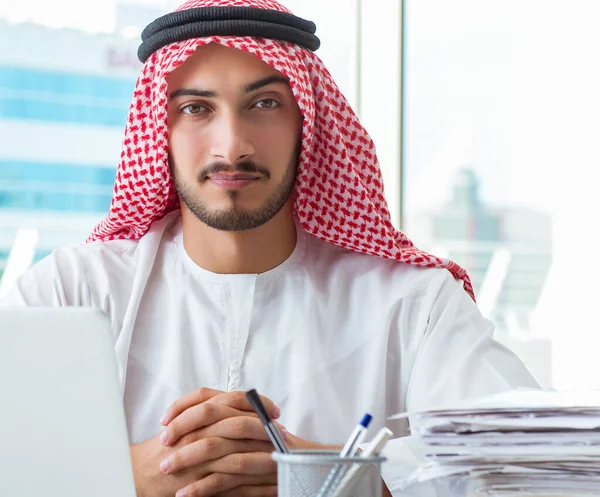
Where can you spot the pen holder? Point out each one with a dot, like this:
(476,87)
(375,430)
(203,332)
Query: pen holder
(309,473)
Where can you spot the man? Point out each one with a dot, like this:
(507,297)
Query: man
(280,271)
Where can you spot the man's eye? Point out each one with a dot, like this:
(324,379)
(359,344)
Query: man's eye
(267,103)
(193,109)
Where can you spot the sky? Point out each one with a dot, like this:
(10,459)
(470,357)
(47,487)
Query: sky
(81,14)
(88,15)
(99,15)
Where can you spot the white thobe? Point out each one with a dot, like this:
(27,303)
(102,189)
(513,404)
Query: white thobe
(327,335)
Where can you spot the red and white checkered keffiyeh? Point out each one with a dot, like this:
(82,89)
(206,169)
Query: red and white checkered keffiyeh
(339,194)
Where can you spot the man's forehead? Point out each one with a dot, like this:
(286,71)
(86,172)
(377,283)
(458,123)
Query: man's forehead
(213,58)
(213,66)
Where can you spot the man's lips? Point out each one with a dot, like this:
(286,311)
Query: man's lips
(232,180)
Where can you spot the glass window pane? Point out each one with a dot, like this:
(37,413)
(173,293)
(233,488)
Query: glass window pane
(500,144)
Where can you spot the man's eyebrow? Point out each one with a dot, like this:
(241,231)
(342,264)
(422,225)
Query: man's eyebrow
(192,92)
(276,78)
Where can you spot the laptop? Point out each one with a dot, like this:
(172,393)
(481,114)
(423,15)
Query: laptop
(62,423)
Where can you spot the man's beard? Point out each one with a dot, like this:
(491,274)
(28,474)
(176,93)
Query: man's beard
(236,218)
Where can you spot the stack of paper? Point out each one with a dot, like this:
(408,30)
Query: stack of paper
(521,442)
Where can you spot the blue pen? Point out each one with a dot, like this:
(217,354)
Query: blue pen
(349,450)
(357,437)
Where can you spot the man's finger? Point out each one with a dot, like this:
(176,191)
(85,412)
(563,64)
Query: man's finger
(238,400)
(253,463)
(196,417)
(205,450)
(216,483)
(191,399)
(251,491)
(237,428)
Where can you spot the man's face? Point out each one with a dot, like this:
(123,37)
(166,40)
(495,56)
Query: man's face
(234,137)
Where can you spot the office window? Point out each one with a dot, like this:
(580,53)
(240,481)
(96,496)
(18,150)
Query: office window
(501,129)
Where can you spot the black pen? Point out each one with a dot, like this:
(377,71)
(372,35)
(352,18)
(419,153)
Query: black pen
(270,427)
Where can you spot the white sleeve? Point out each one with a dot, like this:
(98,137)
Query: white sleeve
(56,281)
(457,359)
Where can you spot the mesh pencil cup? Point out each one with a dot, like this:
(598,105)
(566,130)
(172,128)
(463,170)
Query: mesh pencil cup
(306,473)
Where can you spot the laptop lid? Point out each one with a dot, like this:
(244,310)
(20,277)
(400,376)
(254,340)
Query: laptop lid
(62,422)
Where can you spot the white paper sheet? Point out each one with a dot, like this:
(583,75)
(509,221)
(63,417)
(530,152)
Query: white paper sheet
(530,441)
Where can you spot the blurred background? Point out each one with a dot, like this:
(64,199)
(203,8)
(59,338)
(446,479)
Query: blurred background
(485,114)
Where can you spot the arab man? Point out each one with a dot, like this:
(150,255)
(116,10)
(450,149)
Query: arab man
(249,245)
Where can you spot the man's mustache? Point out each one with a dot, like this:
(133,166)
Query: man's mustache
(246,166)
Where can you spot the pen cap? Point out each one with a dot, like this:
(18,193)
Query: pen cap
(378,442)
(258,406)
(366,420)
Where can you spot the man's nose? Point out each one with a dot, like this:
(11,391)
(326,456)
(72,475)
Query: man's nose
(230,141)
